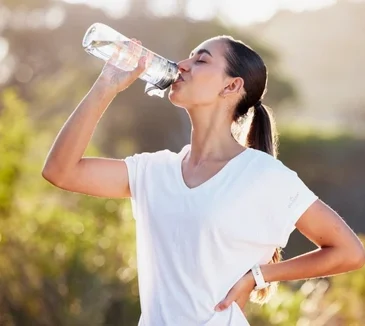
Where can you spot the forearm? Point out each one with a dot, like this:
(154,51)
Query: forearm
(319,263)
(72,140)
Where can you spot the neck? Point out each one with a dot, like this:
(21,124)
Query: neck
(211,137)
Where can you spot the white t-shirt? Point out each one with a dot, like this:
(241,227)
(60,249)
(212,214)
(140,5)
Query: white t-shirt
(194,244)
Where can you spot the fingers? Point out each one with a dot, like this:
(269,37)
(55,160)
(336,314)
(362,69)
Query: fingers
(141,66)
(115,55)
(227,301)
(133,54)
(132,49)
(136,41)
(136,50)
(142,61)
(236,293)
(149,58)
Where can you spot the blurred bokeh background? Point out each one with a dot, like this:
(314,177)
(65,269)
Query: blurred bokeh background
(69,259)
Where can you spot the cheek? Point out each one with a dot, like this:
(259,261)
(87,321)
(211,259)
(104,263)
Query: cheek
(207,81)
(205,91)
(203,87)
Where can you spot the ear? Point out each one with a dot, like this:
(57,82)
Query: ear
(234,86)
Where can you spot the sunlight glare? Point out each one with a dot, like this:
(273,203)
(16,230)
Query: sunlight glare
(230,12)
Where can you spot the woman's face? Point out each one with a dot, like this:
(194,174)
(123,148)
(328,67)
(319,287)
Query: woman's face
(203,76)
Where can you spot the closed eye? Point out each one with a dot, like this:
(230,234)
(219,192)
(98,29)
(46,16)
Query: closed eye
(201,61)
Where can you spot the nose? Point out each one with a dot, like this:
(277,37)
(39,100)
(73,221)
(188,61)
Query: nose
(183,65)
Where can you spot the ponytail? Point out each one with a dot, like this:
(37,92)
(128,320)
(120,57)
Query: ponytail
(262,133)
(262,136)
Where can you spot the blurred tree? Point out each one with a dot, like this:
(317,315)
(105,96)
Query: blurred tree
(49,64)
(66,259)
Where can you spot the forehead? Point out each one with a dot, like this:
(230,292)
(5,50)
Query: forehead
(216,47)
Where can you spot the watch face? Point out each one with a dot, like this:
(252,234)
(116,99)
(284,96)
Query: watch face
(259,279)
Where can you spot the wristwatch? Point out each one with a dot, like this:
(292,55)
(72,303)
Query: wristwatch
(259,279)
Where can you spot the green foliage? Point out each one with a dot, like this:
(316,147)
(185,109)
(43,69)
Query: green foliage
(13,137)
(66,259)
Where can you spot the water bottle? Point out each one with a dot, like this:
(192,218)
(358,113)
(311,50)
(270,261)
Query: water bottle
(101,41)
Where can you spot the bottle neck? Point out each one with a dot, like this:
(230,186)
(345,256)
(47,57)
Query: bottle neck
(171,75)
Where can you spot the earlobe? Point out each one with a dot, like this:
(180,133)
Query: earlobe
(235,86)
(226,92)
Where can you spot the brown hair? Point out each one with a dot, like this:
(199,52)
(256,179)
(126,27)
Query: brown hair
(244,62)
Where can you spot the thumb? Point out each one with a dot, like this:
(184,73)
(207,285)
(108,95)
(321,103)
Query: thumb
(141,67)
(227,301)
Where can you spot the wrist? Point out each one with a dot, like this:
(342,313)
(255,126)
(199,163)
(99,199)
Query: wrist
(260,281)
(102,86)
(250,280)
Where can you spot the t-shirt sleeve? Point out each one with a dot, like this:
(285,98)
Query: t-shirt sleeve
(136,166)
(288,198)
(142,169)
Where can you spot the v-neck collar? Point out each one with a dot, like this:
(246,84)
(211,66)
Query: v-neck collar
(212,179)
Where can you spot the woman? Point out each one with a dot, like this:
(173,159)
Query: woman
(210,220)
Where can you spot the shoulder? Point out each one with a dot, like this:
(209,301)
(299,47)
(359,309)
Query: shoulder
(278,183)
(272,175)
(266,164)
(158,157)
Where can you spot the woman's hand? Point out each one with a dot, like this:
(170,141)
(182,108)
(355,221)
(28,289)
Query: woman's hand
(116,79)
(240,293)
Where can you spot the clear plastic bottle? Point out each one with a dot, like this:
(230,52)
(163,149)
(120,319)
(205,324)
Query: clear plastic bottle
(101,40)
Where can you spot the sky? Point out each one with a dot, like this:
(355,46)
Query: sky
(237,12)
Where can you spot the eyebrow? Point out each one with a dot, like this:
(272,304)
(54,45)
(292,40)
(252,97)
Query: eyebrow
(200,52)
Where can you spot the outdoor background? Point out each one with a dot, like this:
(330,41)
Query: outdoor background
(68,259)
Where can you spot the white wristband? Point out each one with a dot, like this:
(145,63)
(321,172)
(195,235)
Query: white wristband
(259,279)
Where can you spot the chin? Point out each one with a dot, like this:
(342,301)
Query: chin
(176,98)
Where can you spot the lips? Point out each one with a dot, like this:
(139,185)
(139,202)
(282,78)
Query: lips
(179,79)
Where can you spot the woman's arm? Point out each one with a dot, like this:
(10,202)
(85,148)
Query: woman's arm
(65,165)
(340,250)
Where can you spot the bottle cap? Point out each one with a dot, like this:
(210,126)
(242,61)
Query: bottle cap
(152,90)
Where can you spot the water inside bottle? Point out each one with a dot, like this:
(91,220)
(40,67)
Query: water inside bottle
(159,72)
(104,49)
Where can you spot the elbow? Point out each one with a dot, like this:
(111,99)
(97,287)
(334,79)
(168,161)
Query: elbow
(48,174)
(356,258)
(52,175)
